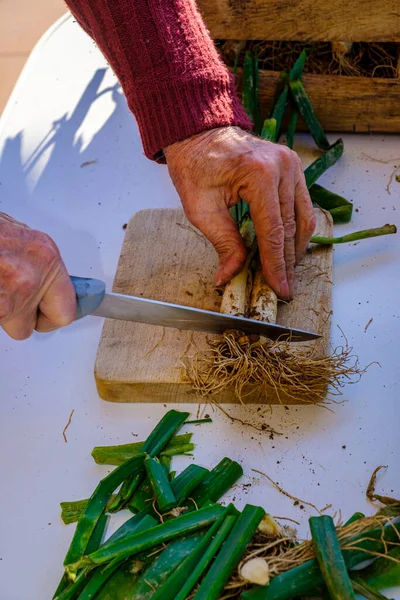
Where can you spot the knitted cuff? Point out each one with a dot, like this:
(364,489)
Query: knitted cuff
(169,111)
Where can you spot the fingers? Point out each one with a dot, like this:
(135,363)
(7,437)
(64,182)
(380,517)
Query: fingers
(266,214)
(35,289)
(305,216)
(286,200)
(58,305)
(21,327)
(213,219)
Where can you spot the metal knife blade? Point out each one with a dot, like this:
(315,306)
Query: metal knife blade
(154,312)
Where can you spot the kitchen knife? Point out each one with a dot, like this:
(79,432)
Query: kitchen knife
(92,299)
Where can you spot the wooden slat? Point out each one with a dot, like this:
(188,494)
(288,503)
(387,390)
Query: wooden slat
(355,104)
(164,258)
(303,20)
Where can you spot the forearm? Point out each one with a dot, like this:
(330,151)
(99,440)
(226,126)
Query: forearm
(173,78)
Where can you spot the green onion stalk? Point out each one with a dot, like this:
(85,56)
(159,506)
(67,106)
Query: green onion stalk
(204,551)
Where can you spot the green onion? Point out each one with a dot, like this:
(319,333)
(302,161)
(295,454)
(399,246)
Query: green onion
(157,575)
(256,78)
(184,484)
(307,112)
(353,518)
(220,479)
(68,591)
(202,564)
(298,67)
(340,208)
(166,463)
(248,86)
(161,435)
(230,554)
(357,235)
(96,505)
(121,581)
(140,542)
(279,110)
(269,130)
(141,499)
(323,163)
(97,581)
(139,522)
(330,559)
(341,214)
(128,487)
(360,587)
(384,572)
(101,575)
(98,533)
(73,511)
(116,455)
(164,431)
(159,482)
(292,127)
(178,451)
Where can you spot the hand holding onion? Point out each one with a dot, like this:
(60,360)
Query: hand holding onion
(215,169)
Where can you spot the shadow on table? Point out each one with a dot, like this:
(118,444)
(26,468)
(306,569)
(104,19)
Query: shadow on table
(62,177)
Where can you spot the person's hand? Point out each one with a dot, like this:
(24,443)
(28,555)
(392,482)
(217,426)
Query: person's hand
(213,170)
(35,289)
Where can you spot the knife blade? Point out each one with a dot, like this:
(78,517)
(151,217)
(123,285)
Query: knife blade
(92,299)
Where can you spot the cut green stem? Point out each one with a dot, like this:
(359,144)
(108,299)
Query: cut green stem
(230,554)
(269,130)
(68,591)
(116,455)
(297,70)
(162,489)
(357,235)
(340,208)
(384,572)
(201,564)
(187,481)
(96,505)
(330,559)
(323,163)
(101,575)
(307,112)
(356,517)
(360,587)
(155,575)
(220,479)
(155,536)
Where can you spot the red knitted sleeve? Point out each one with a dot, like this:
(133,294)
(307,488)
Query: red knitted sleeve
(175,83)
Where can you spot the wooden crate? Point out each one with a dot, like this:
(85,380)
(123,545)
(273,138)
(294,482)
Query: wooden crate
(349,104)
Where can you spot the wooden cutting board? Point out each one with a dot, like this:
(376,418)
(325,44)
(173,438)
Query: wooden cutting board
(164,258)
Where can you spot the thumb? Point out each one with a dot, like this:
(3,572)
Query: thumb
(216,223)
(58,305)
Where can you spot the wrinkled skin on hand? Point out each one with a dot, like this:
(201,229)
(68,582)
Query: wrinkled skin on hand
(35,289)
(213,170)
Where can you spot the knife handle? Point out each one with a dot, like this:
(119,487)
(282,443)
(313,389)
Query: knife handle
(89,294)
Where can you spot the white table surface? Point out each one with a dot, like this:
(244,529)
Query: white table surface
(57,119)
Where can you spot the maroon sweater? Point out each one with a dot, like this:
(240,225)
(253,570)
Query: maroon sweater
(173,78)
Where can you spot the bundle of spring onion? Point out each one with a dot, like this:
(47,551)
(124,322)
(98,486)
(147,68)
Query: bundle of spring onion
(249,365)
(182,544)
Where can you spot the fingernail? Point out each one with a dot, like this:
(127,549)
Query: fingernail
(219,276)
(284,291)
